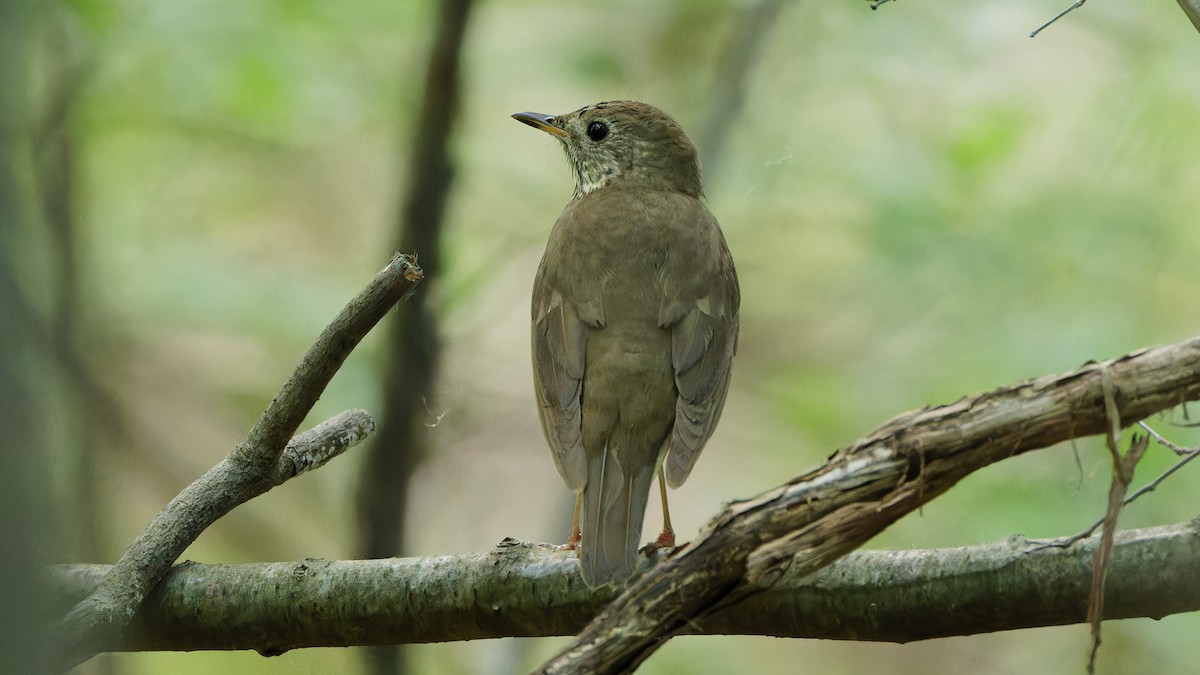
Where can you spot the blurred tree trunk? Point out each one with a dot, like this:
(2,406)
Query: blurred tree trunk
(729,86)
(92,415)
(56,148)
(412,354)
(27,524)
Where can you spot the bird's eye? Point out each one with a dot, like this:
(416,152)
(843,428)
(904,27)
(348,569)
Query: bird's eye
(597,131)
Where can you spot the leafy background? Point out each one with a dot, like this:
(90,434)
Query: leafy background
(923,203)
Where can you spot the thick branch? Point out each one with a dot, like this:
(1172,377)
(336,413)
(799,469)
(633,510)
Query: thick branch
(820,516)
(523,590)
(252,468)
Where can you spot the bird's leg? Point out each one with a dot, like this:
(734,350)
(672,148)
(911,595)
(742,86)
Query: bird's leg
(667,538)
(573,540)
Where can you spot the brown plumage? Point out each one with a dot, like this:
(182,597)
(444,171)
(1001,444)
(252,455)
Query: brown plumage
(635,321)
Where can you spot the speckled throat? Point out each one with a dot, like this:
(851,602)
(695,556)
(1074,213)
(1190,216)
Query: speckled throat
(593,170)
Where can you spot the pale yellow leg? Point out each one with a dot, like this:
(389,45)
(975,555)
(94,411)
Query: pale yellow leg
(573,540)
(667,538)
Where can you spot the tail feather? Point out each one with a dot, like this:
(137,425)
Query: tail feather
(614,504)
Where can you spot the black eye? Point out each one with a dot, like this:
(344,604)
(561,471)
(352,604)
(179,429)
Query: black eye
(597,131)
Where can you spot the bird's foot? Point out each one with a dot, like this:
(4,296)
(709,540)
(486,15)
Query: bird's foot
(664,544)
(572,542)
(665,540)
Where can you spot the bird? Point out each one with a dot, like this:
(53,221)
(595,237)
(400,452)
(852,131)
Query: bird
(634,325)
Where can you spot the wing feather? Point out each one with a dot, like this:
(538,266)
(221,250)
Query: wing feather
(559,348)
(700,304)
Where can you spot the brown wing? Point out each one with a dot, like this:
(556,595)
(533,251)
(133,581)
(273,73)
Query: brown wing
(700,304)
(559,348)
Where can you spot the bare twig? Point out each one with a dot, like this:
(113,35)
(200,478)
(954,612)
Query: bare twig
(96,623)
(1173,447)
(1061,14)
(1148,487)
(1123,467)
(1122,476)
(1192,9)
(313,448)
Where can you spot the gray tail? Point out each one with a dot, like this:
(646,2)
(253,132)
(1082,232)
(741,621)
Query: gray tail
(614,506)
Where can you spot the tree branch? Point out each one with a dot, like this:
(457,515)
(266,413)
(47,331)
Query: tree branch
(816,518)
(526,590)
(1192,9)
(252,468)
(313,448)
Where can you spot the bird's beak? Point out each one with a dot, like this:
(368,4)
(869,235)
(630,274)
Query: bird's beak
(540,121)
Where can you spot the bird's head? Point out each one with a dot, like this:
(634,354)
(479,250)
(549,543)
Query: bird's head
(623,142)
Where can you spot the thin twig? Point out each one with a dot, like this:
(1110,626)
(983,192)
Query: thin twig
(1173,447)
(1192,9)
(1061,14)
(1189,455)
(1149,487)
(1101,561)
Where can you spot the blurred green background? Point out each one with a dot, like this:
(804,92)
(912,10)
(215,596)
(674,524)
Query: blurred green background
(923,203)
